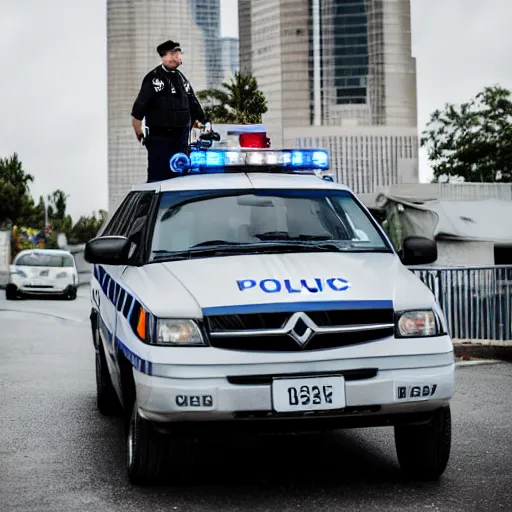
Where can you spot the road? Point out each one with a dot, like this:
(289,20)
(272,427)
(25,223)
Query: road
(57,453)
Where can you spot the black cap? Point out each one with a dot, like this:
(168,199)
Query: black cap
(168,46)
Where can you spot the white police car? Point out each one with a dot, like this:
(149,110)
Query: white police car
(254,292)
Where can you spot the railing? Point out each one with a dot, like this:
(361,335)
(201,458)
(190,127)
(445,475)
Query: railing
(475,300)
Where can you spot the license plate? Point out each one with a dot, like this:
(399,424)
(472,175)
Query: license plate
(308,394)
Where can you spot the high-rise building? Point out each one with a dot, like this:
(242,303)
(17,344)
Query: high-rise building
(230,61)
(134,29)
(329,68)
(207,17)
(245,35)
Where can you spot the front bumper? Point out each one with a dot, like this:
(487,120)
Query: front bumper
(372,396)
(49,287)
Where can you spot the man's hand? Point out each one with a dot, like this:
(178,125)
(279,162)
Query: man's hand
(137,126)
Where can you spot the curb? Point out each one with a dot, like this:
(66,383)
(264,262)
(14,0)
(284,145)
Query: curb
(486,350)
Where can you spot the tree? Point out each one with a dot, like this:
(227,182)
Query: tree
(57,203)
(473,141)
(241,102)
(87,228)
(32,215)
(14,188)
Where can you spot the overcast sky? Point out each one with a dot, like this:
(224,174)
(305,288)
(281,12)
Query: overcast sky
(53,80)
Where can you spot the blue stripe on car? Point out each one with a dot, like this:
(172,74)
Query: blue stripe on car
(292,307)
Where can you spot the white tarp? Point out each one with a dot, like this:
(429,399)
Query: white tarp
(483,221)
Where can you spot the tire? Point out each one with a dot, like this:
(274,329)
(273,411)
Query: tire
(146,451)
(71,294)
(10,293)
(423,450)
(106,398)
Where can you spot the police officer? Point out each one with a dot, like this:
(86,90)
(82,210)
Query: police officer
(167,101)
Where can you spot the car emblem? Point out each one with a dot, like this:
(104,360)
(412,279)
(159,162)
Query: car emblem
(301,328)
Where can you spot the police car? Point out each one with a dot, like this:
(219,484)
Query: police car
(255,292)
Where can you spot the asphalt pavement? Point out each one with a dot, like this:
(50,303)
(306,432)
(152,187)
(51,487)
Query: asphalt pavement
(57,453)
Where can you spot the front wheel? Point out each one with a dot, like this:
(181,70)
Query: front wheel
(10,292)
(423,450)
(106,398)
(147,450)
(71,294)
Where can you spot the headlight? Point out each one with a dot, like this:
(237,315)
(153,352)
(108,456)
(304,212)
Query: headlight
(412,324)
(61,275)
(18,272)
(178,333)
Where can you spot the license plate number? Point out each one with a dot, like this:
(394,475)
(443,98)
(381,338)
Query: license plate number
(309,394)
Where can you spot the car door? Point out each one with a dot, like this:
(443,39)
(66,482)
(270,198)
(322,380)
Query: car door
(133,226)
(105,288)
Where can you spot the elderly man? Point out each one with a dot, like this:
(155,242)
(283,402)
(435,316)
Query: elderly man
(167,101)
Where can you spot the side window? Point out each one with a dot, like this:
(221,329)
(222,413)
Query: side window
(135,218)
(114,225)
(134,222)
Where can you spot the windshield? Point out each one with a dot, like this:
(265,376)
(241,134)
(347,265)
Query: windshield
(191,224)
(39,259)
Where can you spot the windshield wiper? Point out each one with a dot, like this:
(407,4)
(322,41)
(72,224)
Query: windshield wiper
(283,235)
(236,248)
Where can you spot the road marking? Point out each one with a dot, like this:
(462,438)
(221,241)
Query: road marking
(478,362)
(51,315)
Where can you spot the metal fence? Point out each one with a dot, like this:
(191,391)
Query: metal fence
(476,300)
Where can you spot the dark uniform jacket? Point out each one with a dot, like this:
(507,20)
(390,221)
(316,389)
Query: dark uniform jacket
(167,101)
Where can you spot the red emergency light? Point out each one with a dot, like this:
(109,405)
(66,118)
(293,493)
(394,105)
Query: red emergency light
(254,140)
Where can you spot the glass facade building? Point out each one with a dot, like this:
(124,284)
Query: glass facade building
(334,63)
(206,14)
(230,59)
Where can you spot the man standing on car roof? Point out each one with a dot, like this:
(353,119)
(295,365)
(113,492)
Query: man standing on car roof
(168,102)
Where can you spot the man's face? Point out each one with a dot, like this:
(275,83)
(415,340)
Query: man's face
(172,59)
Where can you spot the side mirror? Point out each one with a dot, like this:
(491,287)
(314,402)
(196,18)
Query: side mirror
(418,250)
(108,250)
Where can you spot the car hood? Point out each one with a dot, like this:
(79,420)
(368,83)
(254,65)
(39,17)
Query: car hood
(208,285)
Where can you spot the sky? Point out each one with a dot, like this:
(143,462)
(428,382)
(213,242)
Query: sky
(53,80)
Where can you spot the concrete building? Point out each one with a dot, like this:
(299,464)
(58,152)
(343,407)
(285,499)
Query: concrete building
(365,158)
(341,73)
(134,30)
(230,59)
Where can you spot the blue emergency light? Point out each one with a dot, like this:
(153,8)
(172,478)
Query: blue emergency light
(250,160)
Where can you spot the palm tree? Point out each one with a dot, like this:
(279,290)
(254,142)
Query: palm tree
(241,102)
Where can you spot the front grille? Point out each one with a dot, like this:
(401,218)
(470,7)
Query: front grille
(321,318)
(285,343)
(230,331)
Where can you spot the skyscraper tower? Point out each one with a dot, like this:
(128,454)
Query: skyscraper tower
(206,14)
(338,73)
(134,30)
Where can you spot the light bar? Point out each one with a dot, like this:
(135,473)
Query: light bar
(226,160)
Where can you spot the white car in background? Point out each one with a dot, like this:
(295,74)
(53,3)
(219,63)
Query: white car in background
(42,272)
